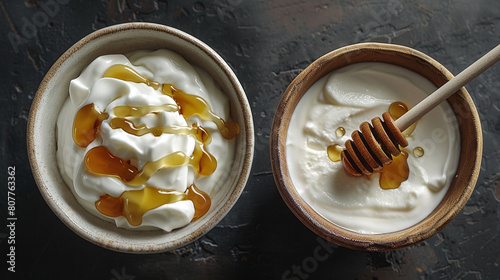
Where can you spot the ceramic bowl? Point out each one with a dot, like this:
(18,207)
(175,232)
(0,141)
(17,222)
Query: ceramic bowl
(470,151)
(53,91)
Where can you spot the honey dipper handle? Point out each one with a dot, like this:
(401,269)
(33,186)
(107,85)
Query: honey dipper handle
(450,87)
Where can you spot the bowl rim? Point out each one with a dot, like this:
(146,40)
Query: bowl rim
(309,217)
(247,148)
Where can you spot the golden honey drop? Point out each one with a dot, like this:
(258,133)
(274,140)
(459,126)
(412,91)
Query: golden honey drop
(392,175)
(396,110)
(340,132)
(418,152)
(334,152)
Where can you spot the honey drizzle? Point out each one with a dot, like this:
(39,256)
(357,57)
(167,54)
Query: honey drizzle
(192,105)
(128,126)
(99,160)
(189,105)
(133,204)
(126,73)
(202,160)
(201,201)
(140,111)
(87,124)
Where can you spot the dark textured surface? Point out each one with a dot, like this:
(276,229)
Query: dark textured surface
(267,43)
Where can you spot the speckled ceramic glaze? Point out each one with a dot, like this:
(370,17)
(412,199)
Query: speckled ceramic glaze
(470,152)
(53,91)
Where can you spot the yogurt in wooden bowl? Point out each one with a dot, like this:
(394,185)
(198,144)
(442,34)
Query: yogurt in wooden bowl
(425,187)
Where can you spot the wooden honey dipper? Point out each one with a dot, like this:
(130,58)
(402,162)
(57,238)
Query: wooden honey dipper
(373,145)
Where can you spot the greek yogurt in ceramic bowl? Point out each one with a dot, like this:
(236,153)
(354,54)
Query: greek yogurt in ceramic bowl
(140,138)
(409,200)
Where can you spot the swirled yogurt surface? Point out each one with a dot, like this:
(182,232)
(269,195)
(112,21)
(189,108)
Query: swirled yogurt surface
(165,131)
(344,99)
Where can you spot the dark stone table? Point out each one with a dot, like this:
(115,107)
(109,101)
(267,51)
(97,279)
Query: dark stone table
(267,43)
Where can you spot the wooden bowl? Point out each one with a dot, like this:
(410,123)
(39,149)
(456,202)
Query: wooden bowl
(461,186)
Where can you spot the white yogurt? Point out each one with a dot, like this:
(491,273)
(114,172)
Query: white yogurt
(162,66)
(345,98)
